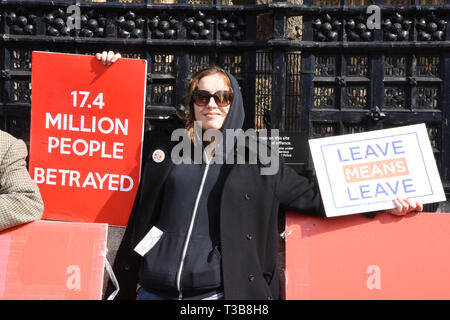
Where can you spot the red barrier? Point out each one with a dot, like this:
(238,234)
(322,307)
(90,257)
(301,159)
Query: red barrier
(354,257)
(52,260)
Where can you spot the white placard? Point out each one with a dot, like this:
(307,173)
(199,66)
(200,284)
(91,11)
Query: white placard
(364,172)
(149,241)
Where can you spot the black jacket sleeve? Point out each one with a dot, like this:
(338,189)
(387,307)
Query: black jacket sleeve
(297,193)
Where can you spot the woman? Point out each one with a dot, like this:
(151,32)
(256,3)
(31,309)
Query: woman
(212,227)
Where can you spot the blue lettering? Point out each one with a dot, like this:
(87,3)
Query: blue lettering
(354,153)
(350,196)
(373,151)
(364,191)
(370,153)
(406,186)
(340,157)
(384,152)
(396,187)
(380,189)
(397,148)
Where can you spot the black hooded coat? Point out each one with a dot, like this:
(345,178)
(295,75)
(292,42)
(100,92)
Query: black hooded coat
(247,215)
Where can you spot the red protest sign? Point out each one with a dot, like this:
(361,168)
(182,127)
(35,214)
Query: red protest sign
(354,257)
(53,260)
(86,135)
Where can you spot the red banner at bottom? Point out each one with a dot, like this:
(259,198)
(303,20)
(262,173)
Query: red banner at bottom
(53,261)
(354,257)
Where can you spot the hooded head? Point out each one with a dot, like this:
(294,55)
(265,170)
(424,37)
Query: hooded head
(216,113)
(221,122)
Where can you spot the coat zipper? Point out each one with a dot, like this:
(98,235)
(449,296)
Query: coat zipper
(188,236)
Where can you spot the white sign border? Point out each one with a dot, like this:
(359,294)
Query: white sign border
(316,146)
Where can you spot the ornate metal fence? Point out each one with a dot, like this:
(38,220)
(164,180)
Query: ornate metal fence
(314,67)
(355,79)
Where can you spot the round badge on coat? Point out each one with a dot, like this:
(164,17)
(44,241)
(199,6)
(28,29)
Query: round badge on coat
(158,155)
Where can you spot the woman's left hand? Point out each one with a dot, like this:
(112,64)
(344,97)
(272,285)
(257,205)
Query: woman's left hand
(404,206)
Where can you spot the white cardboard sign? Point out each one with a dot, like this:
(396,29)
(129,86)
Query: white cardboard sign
(365,171)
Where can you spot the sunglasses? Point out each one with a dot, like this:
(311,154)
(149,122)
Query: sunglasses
(222,98)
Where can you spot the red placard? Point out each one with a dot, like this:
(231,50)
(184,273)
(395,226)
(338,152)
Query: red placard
(354,257)
(86,135)
(53,260)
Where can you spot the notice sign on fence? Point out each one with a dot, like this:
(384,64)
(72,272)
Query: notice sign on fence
(86,135)
(366,171)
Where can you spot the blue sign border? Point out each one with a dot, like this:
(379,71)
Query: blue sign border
(374,202)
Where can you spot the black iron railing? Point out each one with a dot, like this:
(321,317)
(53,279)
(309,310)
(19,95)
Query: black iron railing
(314,68)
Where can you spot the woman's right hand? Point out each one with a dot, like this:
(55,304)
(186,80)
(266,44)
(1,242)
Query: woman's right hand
(107,58)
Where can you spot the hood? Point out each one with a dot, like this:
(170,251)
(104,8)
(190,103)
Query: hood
(236,115)
(234,121)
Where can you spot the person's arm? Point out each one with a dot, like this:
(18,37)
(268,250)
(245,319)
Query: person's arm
(20,199)
(297,193)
